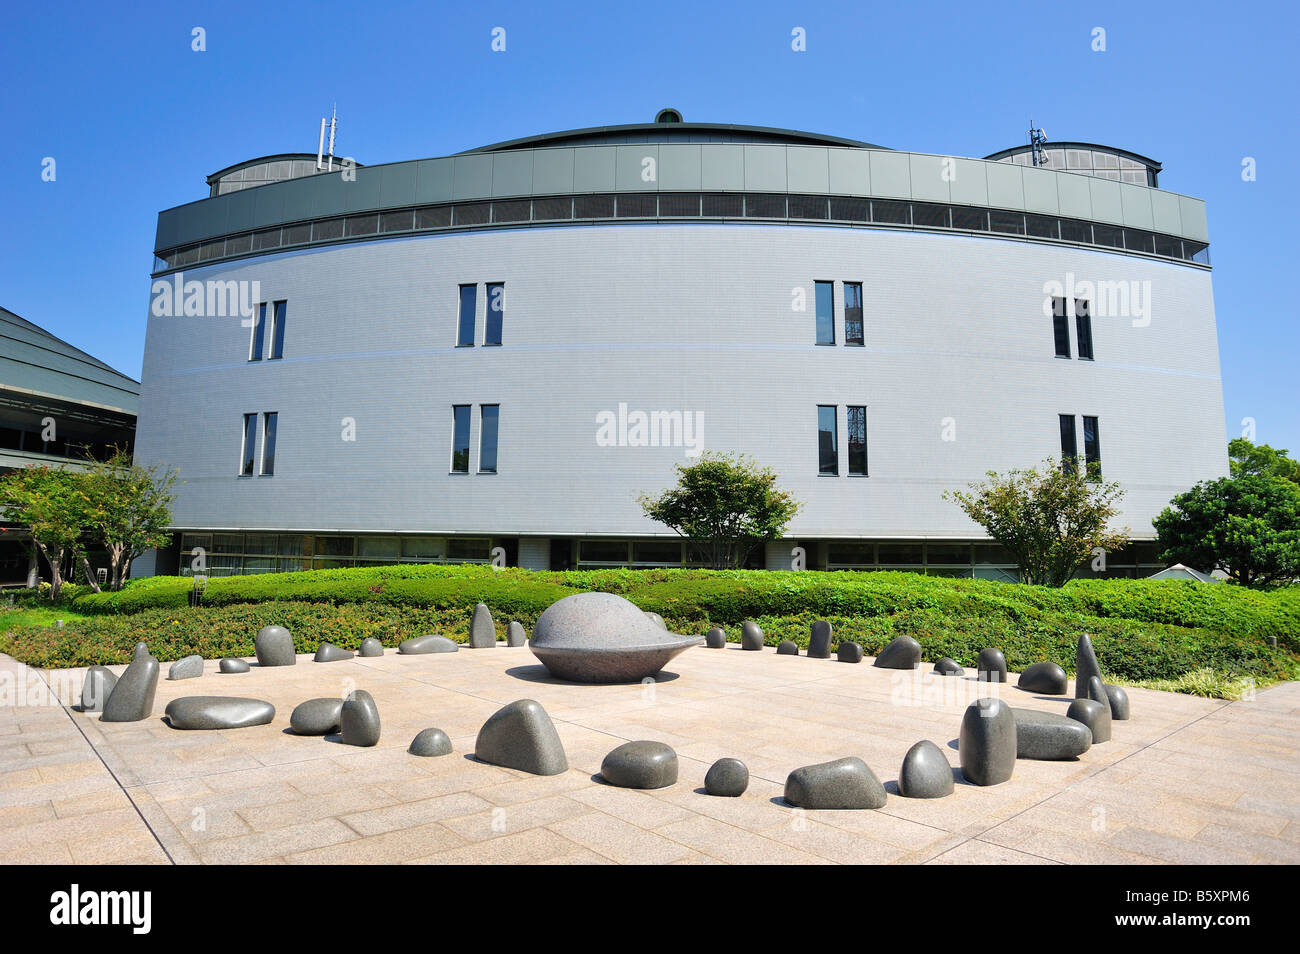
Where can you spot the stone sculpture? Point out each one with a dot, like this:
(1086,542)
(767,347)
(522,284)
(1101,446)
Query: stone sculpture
(819,640)
(751,637)
(515,634)
(274,647)
(1085,666)
(1119,709)
(657,620)
(840,784)
(370,647)
(727,778)
(903,652)
(218,712)
(1049,736)
(948,667)
(359,719)
(925,772)
(97,687)
(787,647)
(132,697)
(429,743)
(422,645)
(1045,677)
(643,764)
(1093,715)
(848,652)
(716,638)
(191,667)
(987,743)
(482,631)
(991,666)
(317,716)
(522,736)
(601,637)
(328,652)
(232,665)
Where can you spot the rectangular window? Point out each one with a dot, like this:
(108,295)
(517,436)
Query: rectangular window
(824,299)
(250,446)
(489,416)
(460,439)
(277,334)
(496,310)
(468,308)
(1083,326)
(269,421)
(259,334)
(828,453)
(858,441)
(1069,444)
(1060,328)
(1092,446)
(853,333)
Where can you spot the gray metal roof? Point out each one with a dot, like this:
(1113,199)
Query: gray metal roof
(671,132)
(36,362)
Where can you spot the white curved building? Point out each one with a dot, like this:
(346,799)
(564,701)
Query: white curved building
(507,347)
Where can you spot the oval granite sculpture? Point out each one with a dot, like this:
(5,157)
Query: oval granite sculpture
(321,716)
(727,778)
(191,667)
(948,667)
(371,647)
(1044,677)
(925,772)
(716,638)
(1049,736)
(430,743)
(987,743)
(903,652)
(787,647)
(218,712)
(97,688)
(991,665)
(840,785)
(642,764)
(848,652)
(132,697)
(751,636)
(522,736)
(423,645)
(233,665)
(274,647)
(600,637)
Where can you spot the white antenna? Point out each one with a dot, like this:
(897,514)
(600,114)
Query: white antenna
(334,121)
(320,146)
(321,156)
(1037,140)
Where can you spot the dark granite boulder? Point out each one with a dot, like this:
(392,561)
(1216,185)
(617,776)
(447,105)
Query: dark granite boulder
(948,667)
(328,652)
(991,666)
(1085,666)
(841,784)
(848,652)
(232,665)
(643,764)
(274,647)
(422,645)
(429,743)
(925,772)
(515,634)
(751,637)
(317,716)
(370,647)
(819,640)
(787,647)
(987,743)
(359,719)
(1093,715)
(96,688)
(903,652)
(191,667)
(132,697)
(716,638)
(522,736)
(657,620)
(218,712)
(1118,698)
(482,631)
(1045,677)
(727,778)
(1049,736)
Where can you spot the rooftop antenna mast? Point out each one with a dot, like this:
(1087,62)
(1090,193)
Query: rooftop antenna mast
(1037,140)
(321,156)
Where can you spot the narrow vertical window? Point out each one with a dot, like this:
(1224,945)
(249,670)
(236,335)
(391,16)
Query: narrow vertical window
(250,446)
(496,311)
(468,307)
(269,421)
(1092,447)
(857,441)
(853,332)
(489,416)
(824,300)
(259,334)
(460,439)
(1061,328)
(277,331)
(828,452)
(1083,326)
(1069,444)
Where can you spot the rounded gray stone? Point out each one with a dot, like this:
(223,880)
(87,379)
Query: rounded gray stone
(991,666)
(925,772)
(191,667)
(1119,708)
(848,652)
(422,645)
(132,697)
(516,635)
(429,743)
(1085,666)
(233,665)
(482,631)
(1045,677)
(603,638)
(359,719)
(948,667)
(370,647)
(1049,736)
(657,620)
(751,636)
(317,716)
(521,736)
(903,652)
(96,688)
(716,638)
(987,743)
(218,712)
(727,778)
(643,764)
(787,647)
(841,784)
(1094,716)
(328,652)
(819,640)
(274,647)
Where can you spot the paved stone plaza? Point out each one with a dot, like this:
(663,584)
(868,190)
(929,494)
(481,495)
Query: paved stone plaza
(1187,780)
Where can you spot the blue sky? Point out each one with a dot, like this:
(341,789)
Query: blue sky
(135,119)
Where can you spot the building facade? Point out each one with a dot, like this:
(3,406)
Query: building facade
(507,347)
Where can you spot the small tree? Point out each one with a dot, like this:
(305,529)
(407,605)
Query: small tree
(51,503)
(1247,526)
(1051,519)
(726,505)
(129,509)
(1245,458)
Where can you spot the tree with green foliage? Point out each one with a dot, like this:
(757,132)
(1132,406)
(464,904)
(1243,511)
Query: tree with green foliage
(1246,458)
(1050,518)
(725,505)
(51,503)
(1248,526)
(129,509)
